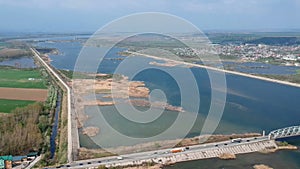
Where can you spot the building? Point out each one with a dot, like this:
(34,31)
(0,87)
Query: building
(32,155)
(18,160)
(290,58)
(6,162)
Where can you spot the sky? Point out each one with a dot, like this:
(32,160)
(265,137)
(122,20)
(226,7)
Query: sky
(90,15)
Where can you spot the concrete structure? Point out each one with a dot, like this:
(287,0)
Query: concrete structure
(285,132)
(6,162)
(202,154)
(195,152)
(73,143)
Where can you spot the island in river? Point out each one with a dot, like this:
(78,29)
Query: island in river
(117,89)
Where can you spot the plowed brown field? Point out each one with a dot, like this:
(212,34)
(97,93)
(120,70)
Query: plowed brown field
(23,94)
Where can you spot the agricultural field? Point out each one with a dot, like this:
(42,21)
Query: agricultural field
(23,94)
(6,106)
(20,87)
(21,78)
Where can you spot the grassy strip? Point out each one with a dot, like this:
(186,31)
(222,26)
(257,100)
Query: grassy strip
(295,78)
(6,106)
(62,148)
(75,75)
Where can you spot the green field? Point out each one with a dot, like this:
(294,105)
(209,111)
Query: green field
(20,78)
(8,105)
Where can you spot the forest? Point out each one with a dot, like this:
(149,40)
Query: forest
(20,132)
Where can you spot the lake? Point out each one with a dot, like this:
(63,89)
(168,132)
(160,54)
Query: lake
(22,62)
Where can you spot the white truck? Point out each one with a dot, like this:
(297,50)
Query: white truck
(236,140)
(120,158)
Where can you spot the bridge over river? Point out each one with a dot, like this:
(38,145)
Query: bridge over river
(287,132)
(196,152)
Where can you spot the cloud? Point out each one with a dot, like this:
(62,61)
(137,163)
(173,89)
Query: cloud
(222,6)
(87,4)
(193,6)
(208,14)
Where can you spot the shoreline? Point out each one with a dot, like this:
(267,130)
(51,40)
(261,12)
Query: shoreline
(229,153)
(219,70)
(203,154)
(86,153)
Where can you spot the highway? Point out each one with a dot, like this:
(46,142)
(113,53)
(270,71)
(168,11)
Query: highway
(70,142)
(135,158)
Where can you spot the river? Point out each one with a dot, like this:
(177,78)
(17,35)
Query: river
(55,126)
(252,105)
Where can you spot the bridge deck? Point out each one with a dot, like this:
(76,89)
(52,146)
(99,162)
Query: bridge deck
(203,154)
(285,132)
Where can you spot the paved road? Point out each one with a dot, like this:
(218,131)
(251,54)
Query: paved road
(37,159)
(70,143)
(159,153)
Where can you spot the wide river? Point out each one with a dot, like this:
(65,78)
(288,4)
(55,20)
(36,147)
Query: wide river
(252,106)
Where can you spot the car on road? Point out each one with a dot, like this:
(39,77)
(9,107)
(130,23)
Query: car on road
(120,158)
(237,140)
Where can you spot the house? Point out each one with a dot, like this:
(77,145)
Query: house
(32,155)
(2,164)
(6,162)
(290,58)
(17,160)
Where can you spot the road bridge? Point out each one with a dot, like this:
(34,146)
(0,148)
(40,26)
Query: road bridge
(195,152)
(285,132)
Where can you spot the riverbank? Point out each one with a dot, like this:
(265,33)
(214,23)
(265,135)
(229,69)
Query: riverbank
(224,153)
(85,153)
(215,69)
(281,146)
(202,154)
(159,166)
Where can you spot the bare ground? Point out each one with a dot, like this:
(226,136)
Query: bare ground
(121,89)
(23,94)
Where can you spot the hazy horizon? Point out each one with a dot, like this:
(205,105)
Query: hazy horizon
(90,15)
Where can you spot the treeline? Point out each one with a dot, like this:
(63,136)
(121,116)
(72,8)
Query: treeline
(276,41)
(45,124)
(19,132)
(29,128)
